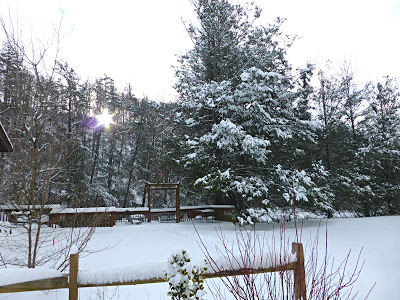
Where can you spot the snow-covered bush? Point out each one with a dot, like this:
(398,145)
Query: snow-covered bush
(251,215)
(184,278)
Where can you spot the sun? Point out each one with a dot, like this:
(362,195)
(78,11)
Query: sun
(105,119)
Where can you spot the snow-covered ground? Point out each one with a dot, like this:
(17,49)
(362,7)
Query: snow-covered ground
(154,242)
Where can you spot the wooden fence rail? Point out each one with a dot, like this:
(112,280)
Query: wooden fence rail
(71,281)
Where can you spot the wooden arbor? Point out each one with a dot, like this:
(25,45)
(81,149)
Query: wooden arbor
(164,186)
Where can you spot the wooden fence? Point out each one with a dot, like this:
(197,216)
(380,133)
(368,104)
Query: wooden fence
(71,281)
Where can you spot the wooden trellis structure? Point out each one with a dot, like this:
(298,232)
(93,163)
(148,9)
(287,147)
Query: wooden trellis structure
(164,186)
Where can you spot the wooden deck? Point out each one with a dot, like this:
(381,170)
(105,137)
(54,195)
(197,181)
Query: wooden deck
(187,213)
(108,216)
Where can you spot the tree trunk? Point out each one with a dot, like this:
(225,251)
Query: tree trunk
(30,245)
(148,169)
(327,146)
(110,173)
(96,154)
(69,117)
(131,170)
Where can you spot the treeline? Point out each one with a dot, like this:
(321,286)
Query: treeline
(247,130)
(61,154)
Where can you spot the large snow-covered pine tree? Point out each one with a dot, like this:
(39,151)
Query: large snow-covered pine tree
(248,130)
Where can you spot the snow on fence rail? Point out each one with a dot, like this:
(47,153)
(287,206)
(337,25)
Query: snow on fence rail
(138,274)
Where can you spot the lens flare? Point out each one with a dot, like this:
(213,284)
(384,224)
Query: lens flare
(105,119)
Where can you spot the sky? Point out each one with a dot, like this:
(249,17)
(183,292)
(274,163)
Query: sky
(137,41)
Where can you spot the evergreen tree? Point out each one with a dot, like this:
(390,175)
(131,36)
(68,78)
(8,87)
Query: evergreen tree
(338,101)
(226,42)
(381,154)
(245,111)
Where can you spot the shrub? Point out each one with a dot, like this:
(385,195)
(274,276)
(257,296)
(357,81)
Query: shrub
(184,278)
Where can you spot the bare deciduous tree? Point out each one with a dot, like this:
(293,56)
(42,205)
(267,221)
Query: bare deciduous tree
(41,153)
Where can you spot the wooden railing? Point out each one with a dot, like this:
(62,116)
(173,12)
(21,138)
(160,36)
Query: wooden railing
(3,217)
(71,281)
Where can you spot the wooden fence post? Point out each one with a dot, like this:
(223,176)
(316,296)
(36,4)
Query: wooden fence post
(299,273)
(73,276)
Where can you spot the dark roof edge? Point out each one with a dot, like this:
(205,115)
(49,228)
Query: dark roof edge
(5,143)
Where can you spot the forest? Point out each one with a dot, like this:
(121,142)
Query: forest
(248,129)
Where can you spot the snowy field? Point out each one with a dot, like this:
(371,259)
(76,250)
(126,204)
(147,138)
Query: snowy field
(154,242)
